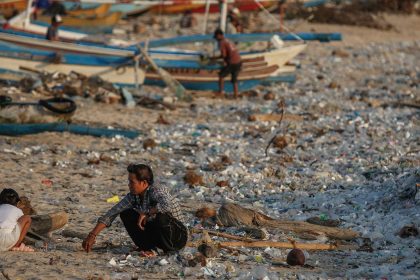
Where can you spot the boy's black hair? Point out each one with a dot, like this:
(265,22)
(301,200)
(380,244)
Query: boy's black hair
(218,31)
(143,172)
(9,196)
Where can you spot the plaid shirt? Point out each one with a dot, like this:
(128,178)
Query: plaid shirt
(155,196)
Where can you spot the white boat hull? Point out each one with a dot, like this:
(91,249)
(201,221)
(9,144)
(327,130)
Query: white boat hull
(125,75)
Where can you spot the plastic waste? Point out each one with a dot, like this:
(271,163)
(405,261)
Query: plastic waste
(113,199)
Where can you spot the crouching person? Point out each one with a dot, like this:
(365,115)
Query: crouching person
(14,225)
(151,216)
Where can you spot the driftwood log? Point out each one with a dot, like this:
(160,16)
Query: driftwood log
(233,215)
(42,224)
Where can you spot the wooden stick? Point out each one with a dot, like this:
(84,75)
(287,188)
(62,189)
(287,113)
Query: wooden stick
(171,82)
(402,104)
(276,244)
(274,117)
(224,235)
(286,245)
(279,125)
(30,69)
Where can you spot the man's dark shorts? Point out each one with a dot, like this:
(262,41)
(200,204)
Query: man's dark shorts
(232,69)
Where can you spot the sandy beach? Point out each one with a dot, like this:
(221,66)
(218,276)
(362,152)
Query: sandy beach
(349,152)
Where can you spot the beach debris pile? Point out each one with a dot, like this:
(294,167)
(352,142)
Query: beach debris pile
(358,13)
(73,84)
(78,85)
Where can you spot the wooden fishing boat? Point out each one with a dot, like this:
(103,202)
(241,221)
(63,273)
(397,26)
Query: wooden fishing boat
(201,79)
(174,8)
(103,24)
(113,65)
(181,6)
(9,8)
(63,47)
(242,5)
(163,58)
(19,25)
(124,75)
(278,57)
(185,67)
(113,68)
(118,74)
(97,12)
(126,9)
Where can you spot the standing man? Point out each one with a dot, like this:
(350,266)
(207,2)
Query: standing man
(234,17)
(52,33)
(232,62)
(151,216)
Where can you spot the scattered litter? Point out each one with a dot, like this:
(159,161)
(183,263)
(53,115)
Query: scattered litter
(113,199)
(163,262)
(47,182)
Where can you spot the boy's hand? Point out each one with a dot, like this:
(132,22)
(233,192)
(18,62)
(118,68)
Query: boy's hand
(142,221)
(88,242)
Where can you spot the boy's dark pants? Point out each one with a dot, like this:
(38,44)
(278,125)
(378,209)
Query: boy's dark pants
(164,231)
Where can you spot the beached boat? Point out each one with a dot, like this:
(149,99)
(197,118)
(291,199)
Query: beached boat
(175,8)
(125,9)
(97,12)
(242,5)
(116,66)
(163,58)
(124,74)
(103,24)
(9,8)
(64,47)
(181,6)
(21,25)
(188,59)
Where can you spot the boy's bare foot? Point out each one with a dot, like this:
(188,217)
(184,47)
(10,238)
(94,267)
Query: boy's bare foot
(22,248)
(148,254)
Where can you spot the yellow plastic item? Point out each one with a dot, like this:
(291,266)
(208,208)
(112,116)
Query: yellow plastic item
(259,259)
(113,199)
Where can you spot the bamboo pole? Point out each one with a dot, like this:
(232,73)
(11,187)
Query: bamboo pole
(171,82)
(224,235)
(280,245)
(286,245)
(223,15)
(206,17)
(27,20)
(281,17)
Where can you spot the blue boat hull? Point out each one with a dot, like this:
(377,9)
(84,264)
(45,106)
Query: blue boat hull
(84,29)
(208,86)
(14,51)
(252,37)
(122,8)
